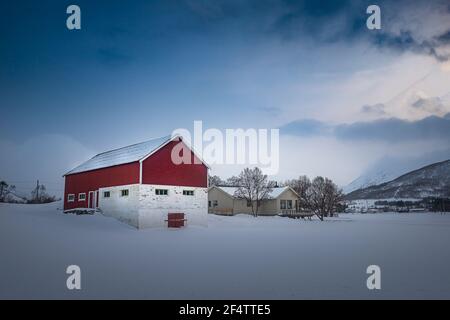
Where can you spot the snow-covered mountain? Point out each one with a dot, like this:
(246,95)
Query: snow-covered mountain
(430,181)
(389,168)
(372,178)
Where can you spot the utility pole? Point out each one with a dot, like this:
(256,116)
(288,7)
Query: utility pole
(37,190)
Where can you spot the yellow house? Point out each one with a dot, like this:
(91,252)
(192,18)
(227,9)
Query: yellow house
(281,200)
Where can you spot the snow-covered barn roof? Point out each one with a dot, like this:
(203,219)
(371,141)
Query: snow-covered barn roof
(275,193)
(123,155)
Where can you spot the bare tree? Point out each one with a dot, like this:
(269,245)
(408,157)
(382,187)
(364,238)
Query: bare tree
(254,187)
(5,189)
(40,195)
(333,197)
(323,196)
(232,182)
(215,181)
(301,186)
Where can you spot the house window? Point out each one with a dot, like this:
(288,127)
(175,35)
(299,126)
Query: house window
(209,204)
(106,194)
(125,192)
(188,192)
(283,204)
(249,203)
(289,204)
(70,198)
(82,197)
(215,203)
(162,192)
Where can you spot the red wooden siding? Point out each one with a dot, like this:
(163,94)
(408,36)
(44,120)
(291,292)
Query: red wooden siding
(100,178)
(159,169)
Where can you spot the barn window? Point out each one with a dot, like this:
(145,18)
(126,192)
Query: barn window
(162,192)
(209,204)
(249,203)
(106,194)
(215,203)
(70,198)
(82,197)
(124,192)
(188,192)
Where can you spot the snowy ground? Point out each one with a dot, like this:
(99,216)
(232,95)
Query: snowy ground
(234,258)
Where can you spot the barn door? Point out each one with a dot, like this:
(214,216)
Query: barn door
(175,220)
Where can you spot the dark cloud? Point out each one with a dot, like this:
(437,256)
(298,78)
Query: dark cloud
(316,19)
(395,130)
(329,21)
(376,109)
(444,38)
(432,104)
(306,128)
(405,41)
(388,130)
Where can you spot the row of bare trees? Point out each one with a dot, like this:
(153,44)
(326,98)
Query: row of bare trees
(320,196)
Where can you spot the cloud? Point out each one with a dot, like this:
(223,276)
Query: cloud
(433,105)
(391,130)
(404,27)
(405,41)
(376,109)
(306,128)
(396,130)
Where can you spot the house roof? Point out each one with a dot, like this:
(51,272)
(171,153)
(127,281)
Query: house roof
(275,193)
(123,155)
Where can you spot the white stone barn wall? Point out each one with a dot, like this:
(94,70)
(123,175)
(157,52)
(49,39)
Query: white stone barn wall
(125,209)
(142,208)
(153,209)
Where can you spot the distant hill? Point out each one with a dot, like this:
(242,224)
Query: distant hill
(389,168)
(430,181)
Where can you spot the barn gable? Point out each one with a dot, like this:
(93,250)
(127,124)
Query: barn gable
(160,169)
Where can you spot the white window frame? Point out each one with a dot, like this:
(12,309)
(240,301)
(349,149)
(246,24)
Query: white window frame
(188,193)
(109,194)
(127,190)
(79,196)
(157,192)
(71,197)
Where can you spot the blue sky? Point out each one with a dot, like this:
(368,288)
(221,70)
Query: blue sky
(141,69)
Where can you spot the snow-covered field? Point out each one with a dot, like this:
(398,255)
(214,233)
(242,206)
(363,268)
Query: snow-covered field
(234,258)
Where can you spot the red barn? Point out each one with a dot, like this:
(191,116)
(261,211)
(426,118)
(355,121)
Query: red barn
(141,185)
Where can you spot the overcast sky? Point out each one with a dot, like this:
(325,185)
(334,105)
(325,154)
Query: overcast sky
(344,97)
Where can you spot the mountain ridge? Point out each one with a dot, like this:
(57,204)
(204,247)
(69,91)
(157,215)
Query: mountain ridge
(432,180)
